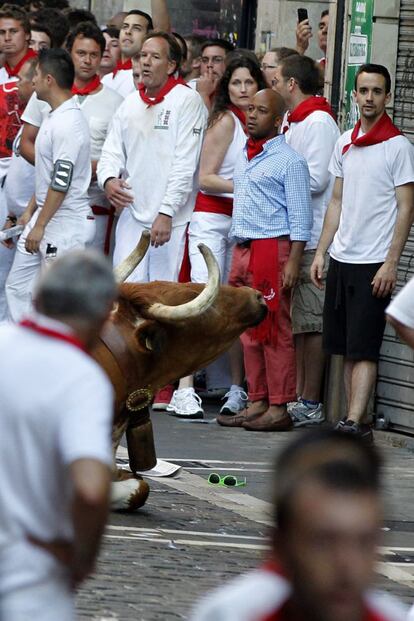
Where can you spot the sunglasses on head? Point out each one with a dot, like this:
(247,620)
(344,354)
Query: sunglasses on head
(227,481)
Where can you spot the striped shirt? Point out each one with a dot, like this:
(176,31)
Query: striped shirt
(272,194)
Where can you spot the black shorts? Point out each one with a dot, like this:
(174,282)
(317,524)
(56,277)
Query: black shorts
(353,319)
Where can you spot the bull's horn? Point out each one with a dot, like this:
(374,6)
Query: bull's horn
(124,269)
(172,314)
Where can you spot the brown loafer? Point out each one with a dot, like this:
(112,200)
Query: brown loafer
(269,422)
(238,419)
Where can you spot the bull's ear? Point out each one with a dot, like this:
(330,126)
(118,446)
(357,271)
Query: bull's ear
(151,337)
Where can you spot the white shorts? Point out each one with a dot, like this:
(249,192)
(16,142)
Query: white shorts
(162,263)
(211,229)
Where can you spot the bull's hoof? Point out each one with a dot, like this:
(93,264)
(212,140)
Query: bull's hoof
(129,495)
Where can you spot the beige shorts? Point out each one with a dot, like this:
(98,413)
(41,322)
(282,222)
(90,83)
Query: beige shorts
(308,300)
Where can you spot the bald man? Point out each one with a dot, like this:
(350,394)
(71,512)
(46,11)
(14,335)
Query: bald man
(272,221)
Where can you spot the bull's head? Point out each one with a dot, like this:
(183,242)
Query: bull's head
(171,329)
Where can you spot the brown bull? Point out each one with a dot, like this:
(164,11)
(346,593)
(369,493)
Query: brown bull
(159,332)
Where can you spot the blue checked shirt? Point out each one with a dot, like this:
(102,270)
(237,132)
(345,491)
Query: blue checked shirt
(272,194)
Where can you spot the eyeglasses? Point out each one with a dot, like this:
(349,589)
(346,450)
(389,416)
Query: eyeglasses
(265,66)
(216,60)
(227,481)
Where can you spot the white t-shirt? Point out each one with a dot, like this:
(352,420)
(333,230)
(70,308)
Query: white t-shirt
(315,139)
(369,204)
(258,594)
(56,406)
(4,76)
(98,110)
(64,136)
(122,82)
(20,181)
(159,147)
(402,306)
(36,111)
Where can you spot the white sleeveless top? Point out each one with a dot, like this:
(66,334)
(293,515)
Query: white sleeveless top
(236,146)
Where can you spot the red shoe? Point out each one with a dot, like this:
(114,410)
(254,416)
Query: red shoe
(163,398)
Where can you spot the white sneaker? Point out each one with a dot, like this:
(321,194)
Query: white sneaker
(185,403)
(304,415)
(236,401)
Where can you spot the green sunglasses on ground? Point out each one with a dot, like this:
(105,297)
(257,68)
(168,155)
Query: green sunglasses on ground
(227,481)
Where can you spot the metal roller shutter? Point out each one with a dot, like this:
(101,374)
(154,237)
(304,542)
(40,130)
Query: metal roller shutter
(395,387)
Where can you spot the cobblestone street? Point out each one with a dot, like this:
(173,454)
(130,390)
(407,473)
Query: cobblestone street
(191,537)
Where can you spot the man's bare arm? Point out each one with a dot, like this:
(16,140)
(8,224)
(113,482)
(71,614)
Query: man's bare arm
(385,279)
(160,15)
(27,142)
(330,226)
(53,201)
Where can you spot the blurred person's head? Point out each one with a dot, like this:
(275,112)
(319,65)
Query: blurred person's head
(14,31)
(183,46)
(54,74)
(328,514)
(112,52)
(116,20)
(78,289)
(40,38)
(25,79)
(190,68)
(160,58)
(33,6)
(86,45)
(54,21)
(265,114)
(372,91)
(296,78)
(213,56)
(242,78)
(271,59)
(323,31)
(77,16)
(134,28)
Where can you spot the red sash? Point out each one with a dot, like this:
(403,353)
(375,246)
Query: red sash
(264,266)
(54,334)
(304,109)
(383,130)
(110,212)
(152,101)
(91,86)
(185,269)
(208,203)
(254,147)
(15,70)
(122,66)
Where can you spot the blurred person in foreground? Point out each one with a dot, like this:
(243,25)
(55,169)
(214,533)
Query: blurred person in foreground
(328,512)
(55,445)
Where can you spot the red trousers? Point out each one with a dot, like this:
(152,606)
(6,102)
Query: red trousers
(270,370)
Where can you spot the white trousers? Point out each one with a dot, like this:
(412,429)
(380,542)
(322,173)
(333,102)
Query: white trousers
(212,229)
(48,601)
(71,234)
(6,258)
(162,263)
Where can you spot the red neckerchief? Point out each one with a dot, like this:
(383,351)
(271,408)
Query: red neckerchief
(15,70)
(304,109)
(54,334)
(91,86)
(239,113)
(152,101)
(122,66)
(264,267)
(383,130)
(254,147)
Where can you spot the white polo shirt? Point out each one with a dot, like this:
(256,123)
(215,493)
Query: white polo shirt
(64,136)
(369,205)
(315,139)
(20,181)
(56,406)
(122,82)
(98,110)
(36,111)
